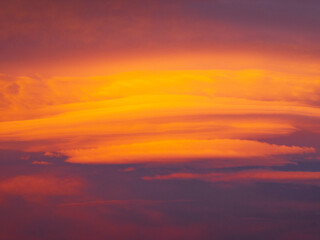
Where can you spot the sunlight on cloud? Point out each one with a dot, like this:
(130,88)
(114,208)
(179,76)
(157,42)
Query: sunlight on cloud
(181,150)
(159,116)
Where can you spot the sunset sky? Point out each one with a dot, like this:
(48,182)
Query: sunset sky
(164,120)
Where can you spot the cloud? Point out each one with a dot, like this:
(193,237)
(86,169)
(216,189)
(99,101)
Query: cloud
(43,34)
(180,86)
(181,150)
(41,186)
(41,162)
(34,97)
(137,113)
(134,202)
(250,176)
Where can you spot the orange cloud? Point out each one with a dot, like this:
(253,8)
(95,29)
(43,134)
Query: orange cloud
(181,150)
(26,97)
(152,114)
(41,162)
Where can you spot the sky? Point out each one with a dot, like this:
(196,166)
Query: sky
(168,120)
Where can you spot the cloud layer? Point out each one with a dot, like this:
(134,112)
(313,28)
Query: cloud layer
(160,116)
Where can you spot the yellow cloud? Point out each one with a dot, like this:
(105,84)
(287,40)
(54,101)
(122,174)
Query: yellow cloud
(125,114)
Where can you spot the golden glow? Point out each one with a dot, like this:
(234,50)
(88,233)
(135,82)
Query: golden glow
(180,150)
(150,116)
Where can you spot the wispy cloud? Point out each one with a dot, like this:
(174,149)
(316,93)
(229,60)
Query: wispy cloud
(243,177)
